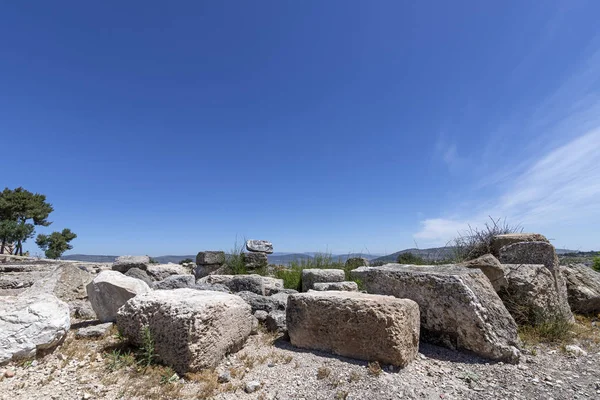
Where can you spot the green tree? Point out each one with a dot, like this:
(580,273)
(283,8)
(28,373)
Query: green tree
(410,258)
(596,264)
(20,211)
(55,244)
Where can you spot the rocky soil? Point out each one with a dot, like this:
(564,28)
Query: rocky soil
(85,369)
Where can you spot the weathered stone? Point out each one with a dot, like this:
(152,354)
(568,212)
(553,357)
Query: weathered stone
(346,286)
(254,261)
(94,331)
(29,323)
(355,262)
(67,282)
(192,329)
(583,288)
(210,258)
(259,246)
(272,285)
(459,307)
(261,315)
(141,275)
(176,282)
(203,270)
(491,267)
(110,290)
(125,263)
(159,272)
(276,322)
(539,252)
(530,294)
(314,275)
(237,283)
(265,303)
(217,287)
(500,241)
(82,309)
(357,325)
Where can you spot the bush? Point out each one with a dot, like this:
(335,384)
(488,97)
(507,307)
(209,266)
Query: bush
(186,261)
(292,275)
(477,242)
(410,258)
(596,264)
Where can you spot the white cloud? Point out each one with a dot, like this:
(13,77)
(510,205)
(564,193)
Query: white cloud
(563,185)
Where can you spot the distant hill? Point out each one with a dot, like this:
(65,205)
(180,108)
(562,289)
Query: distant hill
(433,254)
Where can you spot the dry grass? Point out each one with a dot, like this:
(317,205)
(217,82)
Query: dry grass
(354,377)
(374,368)
(323,372)
(209,380)
(562,332)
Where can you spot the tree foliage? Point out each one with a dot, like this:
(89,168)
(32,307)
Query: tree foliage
(20,211)
(55,244)
(410,258)
(596,264)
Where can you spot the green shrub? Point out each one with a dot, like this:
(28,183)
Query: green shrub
(596,264)
(146,352)
(292,277)
(235,259)
(186,261)
(410,258)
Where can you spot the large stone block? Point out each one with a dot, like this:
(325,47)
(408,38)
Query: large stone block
(500,241)
(210,257)
(253,261)
(540,252)
(346,286)
(192,329)
(459,307)
(313,275)
(124,263)
(583,288)
(29,323)
(237,283)
(110,290)
(159,272)
(357,325)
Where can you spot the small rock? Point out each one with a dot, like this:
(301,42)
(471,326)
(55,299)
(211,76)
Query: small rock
(9,373)
(224,377)
(575,350)
(252,386)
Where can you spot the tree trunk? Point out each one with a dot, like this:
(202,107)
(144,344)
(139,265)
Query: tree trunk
(20,248)
(2,246)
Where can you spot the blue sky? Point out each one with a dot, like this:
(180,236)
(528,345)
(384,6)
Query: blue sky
(348,126)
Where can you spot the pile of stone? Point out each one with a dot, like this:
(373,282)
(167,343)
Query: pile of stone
(257,256)
(326,279)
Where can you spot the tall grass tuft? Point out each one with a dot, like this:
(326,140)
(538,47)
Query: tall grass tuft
(292,275)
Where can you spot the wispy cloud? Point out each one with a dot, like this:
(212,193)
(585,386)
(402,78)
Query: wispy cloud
(553,179)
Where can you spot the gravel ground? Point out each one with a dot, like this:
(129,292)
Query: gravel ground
(81,369)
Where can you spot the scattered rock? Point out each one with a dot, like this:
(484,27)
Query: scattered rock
(356,325)
(575,350)
(192,329)
(217,287)
(312,276)
(261,315)
(259,246)
(224,377)
(491,267)
(237,283)
(459,307)
(346,286)
(263,303)
(141,275)
(159,272)
(254,261)
(500,241)
(540,252)
(82,309)
(94,331)
(176,282)
(209,269)
(273,285)
(252,386)
(125,263)
(583,288)
(276,322)
(67,282)
(210,258)
(9,373)
(31,323)
(110,290)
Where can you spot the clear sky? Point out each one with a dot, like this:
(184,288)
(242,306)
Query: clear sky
(173,127)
